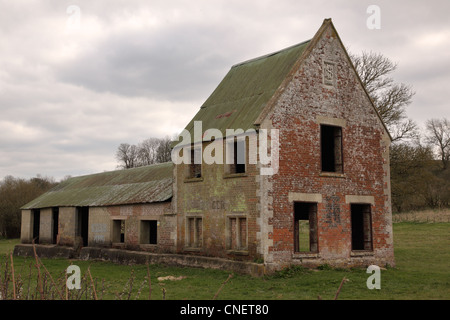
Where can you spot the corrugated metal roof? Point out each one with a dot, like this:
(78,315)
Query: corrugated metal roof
(138,185)
(241,96)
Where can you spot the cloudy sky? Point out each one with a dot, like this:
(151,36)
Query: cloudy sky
(77,78)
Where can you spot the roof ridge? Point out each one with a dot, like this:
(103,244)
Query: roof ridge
(270,54)
(123,169)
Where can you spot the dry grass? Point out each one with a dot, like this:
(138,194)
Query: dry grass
(424,216)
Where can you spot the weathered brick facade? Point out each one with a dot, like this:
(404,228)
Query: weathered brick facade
(302,106)
(224,203)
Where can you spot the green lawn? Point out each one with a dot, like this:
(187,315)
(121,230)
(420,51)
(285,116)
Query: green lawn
(422,254)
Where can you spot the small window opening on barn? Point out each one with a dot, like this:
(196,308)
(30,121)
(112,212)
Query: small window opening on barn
(236,155)
(331,148)
(195,167)
(361,227)
(237,237)
(194,232)
(119,231)
(36,214)
(305,227)
(149,232)
(55,223)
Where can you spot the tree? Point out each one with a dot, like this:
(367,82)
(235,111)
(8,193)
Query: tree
(127,155)
(390,98)
(412,180)
(147,152)
(438,135)
(164,151)
(14,193)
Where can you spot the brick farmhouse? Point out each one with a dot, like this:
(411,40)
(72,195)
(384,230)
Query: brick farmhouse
(323,198)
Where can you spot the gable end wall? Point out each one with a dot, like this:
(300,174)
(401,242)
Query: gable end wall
(305,103)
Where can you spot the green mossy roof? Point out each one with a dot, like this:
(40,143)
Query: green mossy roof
(138,185)
(242,95)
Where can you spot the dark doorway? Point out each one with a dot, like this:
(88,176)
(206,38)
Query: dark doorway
(305,227)
(55,221)
(149,232)
(36,224)
(83,224)
(153,232)
(361,227)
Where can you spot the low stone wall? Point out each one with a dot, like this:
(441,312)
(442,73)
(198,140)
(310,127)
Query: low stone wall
(44,251)
(139,257)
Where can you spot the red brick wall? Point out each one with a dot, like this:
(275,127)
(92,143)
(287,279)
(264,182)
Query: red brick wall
(304,103)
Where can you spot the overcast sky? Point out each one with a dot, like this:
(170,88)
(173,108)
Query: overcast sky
(77,78)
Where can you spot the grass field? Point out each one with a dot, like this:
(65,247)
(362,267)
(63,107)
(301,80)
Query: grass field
(422,252)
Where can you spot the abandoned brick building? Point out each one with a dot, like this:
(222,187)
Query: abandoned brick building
(327,202)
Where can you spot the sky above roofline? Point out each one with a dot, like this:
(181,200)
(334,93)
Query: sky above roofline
(78,78)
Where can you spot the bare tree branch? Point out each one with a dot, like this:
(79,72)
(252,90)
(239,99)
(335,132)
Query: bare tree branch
(439,136)
(390,98)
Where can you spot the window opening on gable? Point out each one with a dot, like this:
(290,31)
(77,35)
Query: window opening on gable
(331,148)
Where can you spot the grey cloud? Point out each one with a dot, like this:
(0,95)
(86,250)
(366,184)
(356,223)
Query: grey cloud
(127,84)
(172,64)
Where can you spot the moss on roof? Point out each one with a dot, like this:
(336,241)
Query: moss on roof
(241,96)
(138,185)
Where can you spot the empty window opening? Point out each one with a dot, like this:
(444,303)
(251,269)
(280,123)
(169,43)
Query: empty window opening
(194,232)
(118,231)
(331,148)
(305,227)
(149,232)
(36,213)
(361,227)
(83,224)
(55,222)
(236,156)
(195,167)
(237,238)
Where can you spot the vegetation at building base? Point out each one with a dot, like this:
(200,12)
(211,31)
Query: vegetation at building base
(413,277)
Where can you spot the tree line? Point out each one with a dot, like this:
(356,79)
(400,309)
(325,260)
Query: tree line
(147,152)
(420,174)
